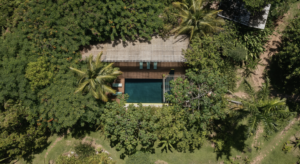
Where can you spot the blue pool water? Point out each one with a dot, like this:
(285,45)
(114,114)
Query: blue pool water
(144,90)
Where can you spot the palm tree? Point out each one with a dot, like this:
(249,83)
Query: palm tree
(94,79)
(260,108)
(196,19)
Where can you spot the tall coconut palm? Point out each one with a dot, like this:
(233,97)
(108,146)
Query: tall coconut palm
(94,79)
(260,108)
(195,19)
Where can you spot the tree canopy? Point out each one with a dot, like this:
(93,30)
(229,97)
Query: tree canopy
(196,20)
(96,77)
(286,64)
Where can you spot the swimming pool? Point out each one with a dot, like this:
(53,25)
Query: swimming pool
(144,90)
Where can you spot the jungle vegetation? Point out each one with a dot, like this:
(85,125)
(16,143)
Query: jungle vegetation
(40,94)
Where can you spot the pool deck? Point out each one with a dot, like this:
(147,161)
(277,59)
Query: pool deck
(131,70)
(147,104)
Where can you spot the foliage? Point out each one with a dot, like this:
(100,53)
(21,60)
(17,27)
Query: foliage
(102,158)
(247,160)
(40,73)
(139,157)
(228,70)
(170,21)
(196,20)
(167,144)
(258,5)
(286,62)
(175,131)
(95,78)
(51,28)
(203,54)
(262,109)
(6,11)
(84,150)
(17,137)
(218,144)
(252,39)
(101,20)
(286,147)
(126,128)
(217,53)
(59,108)
(250,67)
(13,64)
(278,9)
(201,94)
(238,54)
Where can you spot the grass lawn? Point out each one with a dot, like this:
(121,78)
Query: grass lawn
(205,154)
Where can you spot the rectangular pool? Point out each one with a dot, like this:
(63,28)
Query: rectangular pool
(144,90)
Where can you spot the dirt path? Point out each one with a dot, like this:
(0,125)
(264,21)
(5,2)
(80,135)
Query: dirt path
(258,79)
(259,131)
(271,48)
(278,137)
(55,142)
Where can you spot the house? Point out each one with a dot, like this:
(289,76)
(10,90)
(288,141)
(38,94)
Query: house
(147,66)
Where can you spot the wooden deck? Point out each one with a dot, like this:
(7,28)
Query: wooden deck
(133,71)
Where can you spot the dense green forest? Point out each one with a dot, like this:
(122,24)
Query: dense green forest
(46,88)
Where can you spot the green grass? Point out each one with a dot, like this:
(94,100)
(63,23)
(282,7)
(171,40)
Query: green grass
(205,154)
(277,155)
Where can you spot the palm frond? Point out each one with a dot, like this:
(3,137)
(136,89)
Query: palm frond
(253,124)
(248,88)
(184,30)
(108,89)
(212,13)
(93,84)
(98,62)
(264,91)
(175,29)
(90,63)
(273,105)
(182,7)
(102,78)
(102,95)
(195,19)
(95,94)
(269,123)
(116,72)
(77,71)
(82,86)
(101,72)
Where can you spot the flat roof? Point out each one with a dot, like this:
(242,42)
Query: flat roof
(155,50)
(235,10)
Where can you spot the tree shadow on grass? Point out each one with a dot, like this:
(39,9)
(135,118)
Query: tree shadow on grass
(231,135)
(29,156)
(79,132)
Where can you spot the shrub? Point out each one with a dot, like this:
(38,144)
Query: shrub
(84,150)
(101,158)
(286,147)
(139,158)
